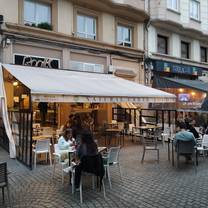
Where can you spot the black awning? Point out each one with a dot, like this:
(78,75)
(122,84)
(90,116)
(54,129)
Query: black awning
(166,82)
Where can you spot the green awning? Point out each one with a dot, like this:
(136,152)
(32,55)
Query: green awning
(166,82)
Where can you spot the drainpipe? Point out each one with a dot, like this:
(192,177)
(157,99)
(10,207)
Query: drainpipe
(146,28)
(1,38)
(147,67)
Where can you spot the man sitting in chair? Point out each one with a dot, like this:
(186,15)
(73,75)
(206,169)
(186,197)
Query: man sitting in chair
(184,135)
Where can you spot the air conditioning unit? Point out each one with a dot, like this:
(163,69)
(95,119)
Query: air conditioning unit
(204,76)
(120,70)
(86,67)
(205,73)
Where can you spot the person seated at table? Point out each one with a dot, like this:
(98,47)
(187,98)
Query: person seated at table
(184,135)
(187,120)
(87,147)
(192,129)
(66,140)
(69,122)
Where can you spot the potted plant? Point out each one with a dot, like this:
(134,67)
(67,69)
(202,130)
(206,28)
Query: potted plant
(45,25)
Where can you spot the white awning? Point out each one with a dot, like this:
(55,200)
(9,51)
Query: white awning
(57,85)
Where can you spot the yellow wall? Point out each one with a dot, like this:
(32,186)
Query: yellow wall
(140,36)
(64,110)
(9,94)
(65,17)
(127,64)
(104,114)
(108,28)
(9,8)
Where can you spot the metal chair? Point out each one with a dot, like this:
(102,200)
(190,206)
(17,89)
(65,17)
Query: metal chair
(150,142)
(204,145)
(130,130)
(87,172)
(166,134)
(112,158)
(57,160)
(122,132)
(42,146)
(186,148)
(136,133)
(4,181)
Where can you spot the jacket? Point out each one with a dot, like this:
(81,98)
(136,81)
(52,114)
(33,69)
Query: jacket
(90,164)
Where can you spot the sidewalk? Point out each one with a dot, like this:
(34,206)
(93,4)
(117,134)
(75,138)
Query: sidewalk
(143,185)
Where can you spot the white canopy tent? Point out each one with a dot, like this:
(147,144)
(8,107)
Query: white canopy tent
(53,85)
(4,115)
(56,85)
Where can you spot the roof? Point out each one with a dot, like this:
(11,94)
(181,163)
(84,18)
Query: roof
(57,85)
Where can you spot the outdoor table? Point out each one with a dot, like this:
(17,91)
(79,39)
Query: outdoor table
(41,137)
(68,151)
(150,128)
(111,132)
(102,149)
(112,125)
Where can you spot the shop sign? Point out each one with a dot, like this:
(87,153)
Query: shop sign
(193,104)
(176,68)
(28,60)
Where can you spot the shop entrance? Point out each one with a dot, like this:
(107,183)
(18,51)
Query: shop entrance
(21,124)
(4,141)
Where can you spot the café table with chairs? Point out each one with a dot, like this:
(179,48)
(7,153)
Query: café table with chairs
(114,130)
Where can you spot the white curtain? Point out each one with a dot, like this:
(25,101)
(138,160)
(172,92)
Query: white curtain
(5,117)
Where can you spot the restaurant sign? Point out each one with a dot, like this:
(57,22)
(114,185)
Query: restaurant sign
(96,99)
(36,61)
(176,68)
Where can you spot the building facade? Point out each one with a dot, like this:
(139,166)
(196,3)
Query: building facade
(177,40)
(95,36)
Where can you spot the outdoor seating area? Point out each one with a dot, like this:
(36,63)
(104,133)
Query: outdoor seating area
(125,175)
(81,142)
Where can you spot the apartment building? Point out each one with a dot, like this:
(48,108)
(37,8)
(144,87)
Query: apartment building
(94,36)
(177,42)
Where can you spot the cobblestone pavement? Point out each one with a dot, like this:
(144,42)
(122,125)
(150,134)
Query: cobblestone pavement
(143,185)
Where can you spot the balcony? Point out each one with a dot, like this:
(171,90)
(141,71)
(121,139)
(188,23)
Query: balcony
(138,4)
(173,19)
(131,9)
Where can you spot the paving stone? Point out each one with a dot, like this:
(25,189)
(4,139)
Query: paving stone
(142,185)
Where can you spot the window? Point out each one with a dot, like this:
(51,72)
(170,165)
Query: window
(162,44)
(173,4)
(36,12)
(86,27)
(194,9)
(185,50)
(124,36)
(203,51)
